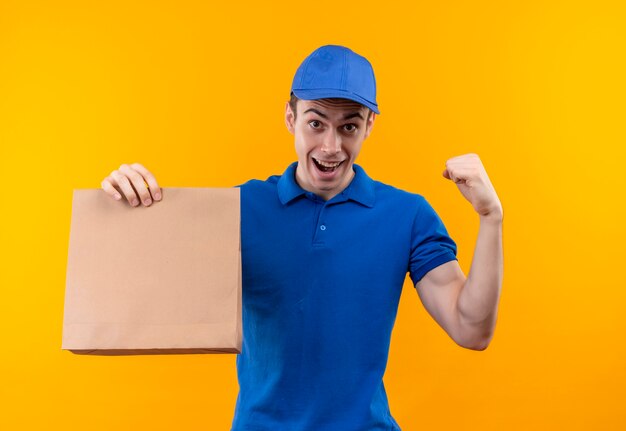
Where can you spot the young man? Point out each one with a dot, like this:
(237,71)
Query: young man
(325,252)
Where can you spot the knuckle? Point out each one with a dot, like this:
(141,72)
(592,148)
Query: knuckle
(122,180)
(131,174)
(136,178)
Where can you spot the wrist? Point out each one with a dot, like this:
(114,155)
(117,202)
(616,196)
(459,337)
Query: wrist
(493,217)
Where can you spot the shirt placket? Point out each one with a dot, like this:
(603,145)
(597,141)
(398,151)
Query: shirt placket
(320,228)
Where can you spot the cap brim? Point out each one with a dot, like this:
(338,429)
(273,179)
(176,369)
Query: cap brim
(332,93)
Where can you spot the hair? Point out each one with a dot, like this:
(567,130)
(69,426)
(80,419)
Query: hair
(293,102)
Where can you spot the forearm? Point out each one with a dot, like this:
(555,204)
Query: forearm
(477,302)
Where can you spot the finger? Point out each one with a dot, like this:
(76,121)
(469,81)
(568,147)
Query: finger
(110,190)
(465,157)
(452,173)
(459,175)
(138,183)
(124,184)
(115,185)
(455,179)
(453,165)
(154,188)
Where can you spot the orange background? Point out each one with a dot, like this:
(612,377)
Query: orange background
(196,91)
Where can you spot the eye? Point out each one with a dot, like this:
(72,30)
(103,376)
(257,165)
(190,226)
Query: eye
(315,124)
(350,128)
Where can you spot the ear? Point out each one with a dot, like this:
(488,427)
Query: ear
(369,125)
(289,118)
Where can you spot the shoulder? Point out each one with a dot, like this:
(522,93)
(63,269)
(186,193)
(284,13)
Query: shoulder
(257,192)
(401,199)
(404,205)
(255,184)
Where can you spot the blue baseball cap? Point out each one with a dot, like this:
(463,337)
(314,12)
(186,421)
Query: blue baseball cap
(336,71)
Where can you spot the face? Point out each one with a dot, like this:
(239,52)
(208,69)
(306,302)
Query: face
(328,137)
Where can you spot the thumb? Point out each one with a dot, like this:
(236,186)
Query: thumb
(446,174)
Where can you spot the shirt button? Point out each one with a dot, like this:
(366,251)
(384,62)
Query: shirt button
(323,227)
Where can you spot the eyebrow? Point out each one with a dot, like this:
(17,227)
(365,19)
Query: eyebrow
(346,117)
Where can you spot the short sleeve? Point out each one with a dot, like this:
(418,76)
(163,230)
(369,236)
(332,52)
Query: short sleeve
(431,245)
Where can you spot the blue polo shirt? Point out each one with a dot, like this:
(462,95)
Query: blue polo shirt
(321,281)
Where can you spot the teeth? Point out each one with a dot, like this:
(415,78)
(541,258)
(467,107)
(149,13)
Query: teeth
(327,164)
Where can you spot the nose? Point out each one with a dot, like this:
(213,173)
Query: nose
(332,143)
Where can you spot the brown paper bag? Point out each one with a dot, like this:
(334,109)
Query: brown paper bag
(154,280)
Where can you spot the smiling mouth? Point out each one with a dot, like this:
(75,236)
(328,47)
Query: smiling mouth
(326,166)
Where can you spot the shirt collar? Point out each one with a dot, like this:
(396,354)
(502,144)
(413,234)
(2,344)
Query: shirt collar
(360,189)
